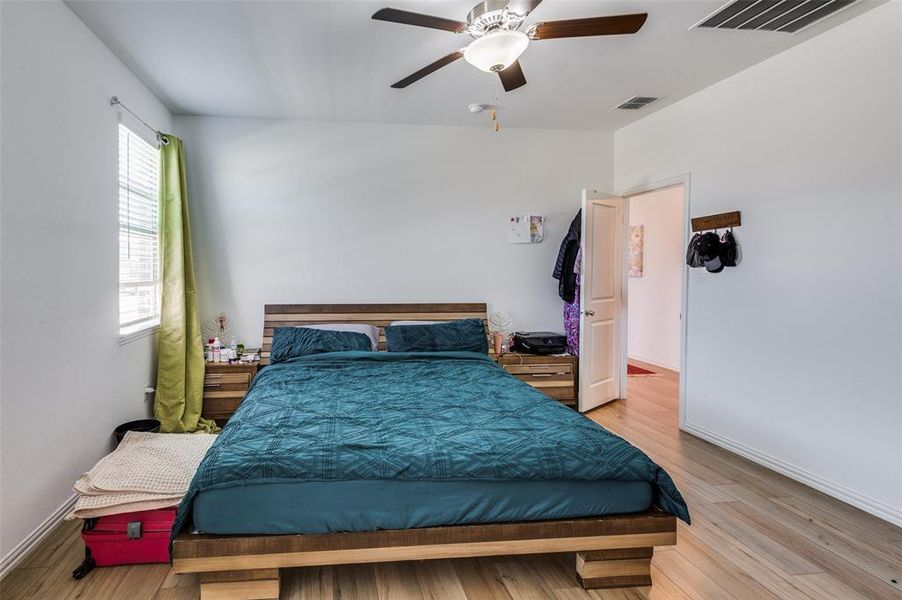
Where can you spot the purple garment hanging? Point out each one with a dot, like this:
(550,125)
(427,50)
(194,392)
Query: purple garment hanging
(571,310)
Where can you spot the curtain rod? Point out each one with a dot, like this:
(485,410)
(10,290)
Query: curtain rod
(115,101)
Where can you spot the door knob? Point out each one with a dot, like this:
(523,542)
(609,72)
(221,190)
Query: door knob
(589,313)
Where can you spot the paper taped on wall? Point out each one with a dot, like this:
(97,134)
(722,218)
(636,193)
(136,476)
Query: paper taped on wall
(526,229)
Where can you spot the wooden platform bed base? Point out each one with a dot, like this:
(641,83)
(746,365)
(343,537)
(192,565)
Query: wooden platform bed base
(612,551)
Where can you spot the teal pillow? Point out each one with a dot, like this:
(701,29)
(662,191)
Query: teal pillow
(291,342)
(466,335)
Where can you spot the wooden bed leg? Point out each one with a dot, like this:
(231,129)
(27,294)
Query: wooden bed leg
(260,584)
(628,567)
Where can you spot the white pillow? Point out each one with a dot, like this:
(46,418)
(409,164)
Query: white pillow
(394,323)
(370,331)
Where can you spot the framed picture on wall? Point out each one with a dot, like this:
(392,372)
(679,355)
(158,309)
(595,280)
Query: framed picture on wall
(635,257)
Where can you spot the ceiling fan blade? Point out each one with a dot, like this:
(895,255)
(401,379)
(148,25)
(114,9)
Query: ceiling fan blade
(413,78)
(522,7)
(393,15)
(512,77)
(615,25)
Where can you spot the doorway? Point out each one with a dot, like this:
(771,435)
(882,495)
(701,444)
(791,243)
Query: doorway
(655,265)
(606,264)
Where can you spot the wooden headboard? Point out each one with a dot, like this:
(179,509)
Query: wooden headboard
(380,315)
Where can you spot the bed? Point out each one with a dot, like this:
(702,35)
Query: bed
(350,457)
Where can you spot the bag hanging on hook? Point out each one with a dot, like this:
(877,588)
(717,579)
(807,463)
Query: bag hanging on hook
(709,250)
(692,258)
(712,251)
(729,249)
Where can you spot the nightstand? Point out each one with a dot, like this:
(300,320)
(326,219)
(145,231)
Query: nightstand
(554,376)
(224,388)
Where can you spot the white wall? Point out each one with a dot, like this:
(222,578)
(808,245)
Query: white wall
(298,212)
(65,380)
(655,299)
(794,356)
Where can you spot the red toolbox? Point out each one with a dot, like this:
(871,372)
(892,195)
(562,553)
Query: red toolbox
(126,539)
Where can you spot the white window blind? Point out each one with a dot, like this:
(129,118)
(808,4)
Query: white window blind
(139,248)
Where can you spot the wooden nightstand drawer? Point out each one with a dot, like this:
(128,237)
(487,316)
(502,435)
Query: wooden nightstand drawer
(222,406)
(563,395)
(227,381)
(224,388)
(221,378)
(539,369)
(555,376)
(547,380)
(224,394)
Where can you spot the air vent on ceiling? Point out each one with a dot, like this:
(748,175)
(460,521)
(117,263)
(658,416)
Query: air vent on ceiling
(636,102)
(788,16)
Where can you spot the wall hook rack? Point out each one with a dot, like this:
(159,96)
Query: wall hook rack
(725,220)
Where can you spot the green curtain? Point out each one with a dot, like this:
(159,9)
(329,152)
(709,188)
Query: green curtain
(180,366)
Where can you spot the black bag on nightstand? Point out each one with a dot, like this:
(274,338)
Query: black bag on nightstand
(540,342)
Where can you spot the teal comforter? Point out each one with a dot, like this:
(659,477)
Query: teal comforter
(436,416)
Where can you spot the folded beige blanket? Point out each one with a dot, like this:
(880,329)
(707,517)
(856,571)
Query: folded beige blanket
(91,507)
(147,471)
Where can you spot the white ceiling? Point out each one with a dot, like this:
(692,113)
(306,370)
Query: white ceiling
(327,60)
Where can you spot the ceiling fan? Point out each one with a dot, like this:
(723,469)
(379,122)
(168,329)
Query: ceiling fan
(498,42)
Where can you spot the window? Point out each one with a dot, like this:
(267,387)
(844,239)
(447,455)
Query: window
(139,240)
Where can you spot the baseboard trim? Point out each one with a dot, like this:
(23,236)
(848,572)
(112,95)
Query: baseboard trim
(26,546)
(653,363)
(877,508)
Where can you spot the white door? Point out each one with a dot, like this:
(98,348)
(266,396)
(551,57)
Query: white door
(600,328)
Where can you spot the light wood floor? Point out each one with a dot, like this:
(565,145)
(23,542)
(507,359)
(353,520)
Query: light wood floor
(755,535)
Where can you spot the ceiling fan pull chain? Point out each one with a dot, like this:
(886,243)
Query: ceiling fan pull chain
(495,106)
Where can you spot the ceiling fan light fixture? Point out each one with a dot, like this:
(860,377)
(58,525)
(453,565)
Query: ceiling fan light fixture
(496,50)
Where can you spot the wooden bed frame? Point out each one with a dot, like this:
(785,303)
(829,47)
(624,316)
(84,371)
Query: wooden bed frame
(380,315)
(611,551)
